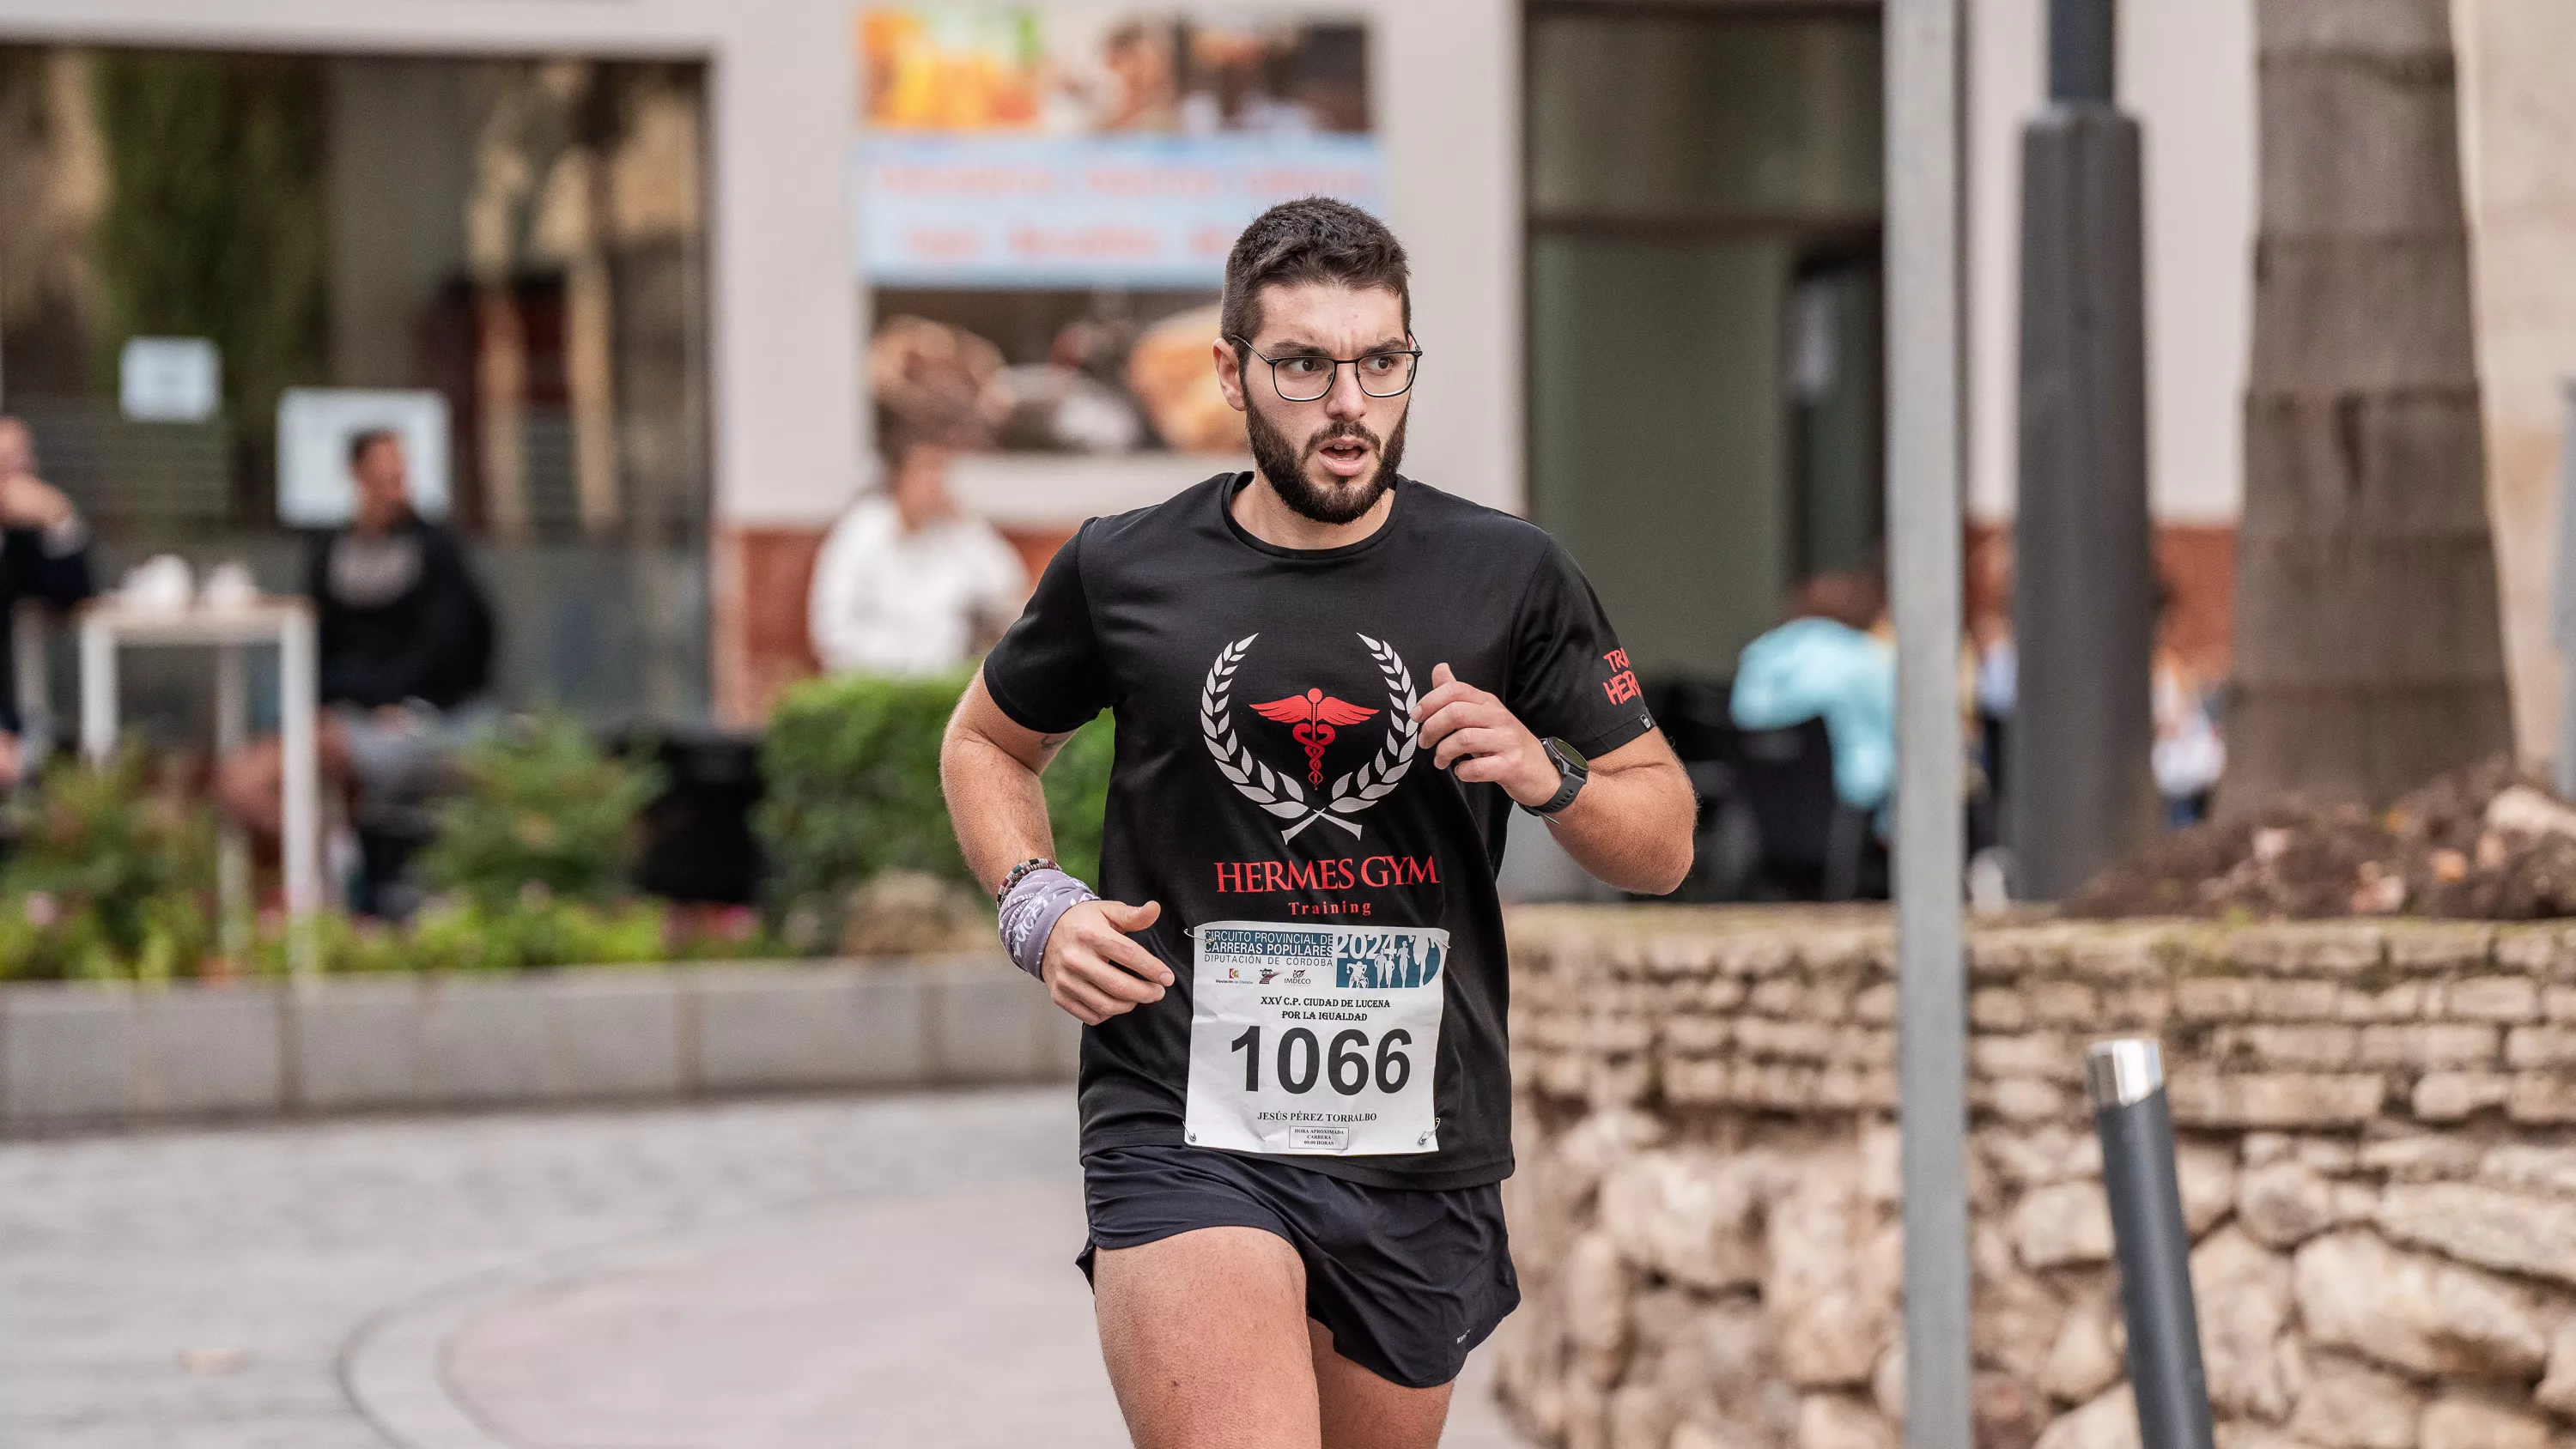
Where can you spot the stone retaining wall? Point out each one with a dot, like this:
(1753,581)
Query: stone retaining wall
(2378,1164)
(80,1054)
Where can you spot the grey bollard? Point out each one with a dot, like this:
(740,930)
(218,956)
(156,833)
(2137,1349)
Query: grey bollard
(2126,1080)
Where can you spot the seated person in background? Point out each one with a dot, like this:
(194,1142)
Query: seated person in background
(1827,661)
(402,621)
(44,554)
(405,640)
(907,583)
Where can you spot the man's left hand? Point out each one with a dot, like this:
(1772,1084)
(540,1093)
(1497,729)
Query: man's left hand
(1471,729)
(26,502)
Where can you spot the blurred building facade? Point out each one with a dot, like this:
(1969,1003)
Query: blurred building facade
(521,238)
(1645,234)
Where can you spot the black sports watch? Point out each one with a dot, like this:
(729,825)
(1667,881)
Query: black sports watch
(1570,775)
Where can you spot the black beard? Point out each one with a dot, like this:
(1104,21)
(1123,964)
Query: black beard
(1326,504)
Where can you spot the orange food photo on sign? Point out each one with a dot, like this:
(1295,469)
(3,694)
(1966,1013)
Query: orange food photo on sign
(950,71)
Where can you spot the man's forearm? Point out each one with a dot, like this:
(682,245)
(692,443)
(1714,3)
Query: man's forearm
(996,803)
(1631,829)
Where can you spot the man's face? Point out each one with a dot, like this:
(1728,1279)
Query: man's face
(1143,67)
(383,486)
(1333,458)
(920,485)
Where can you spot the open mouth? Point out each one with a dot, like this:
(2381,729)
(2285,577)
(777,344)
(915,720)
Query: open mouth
(1346,457)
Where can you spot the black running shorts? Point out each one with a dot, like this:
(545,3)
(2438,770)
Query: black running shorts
(1408,1280)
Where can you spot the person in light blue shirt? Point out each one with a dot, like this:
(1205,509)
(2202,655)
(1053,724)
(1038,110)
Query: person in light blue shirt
(1827,662)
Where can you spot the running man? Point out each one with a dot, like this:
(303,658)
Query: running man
(1332,685)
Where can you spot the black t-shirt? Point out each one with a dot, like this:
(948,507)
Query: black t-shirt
(1158,613)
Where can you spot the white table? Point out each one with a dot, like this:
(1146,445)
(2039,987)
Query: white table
(107,625)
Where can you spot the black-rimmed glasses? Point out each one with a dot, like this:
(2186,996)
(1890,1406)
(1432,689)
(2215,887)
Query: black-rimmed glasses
(1307,377)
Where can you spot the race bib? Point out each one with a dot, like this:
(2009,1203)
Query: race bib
(1315,1040)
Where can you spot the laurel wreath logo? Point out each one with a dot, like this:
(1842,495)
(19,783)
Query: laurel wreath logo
(1279,794)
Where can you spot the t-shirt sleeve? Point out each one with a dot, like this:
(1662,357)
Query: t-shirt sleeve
(1570,679)
(1047,673)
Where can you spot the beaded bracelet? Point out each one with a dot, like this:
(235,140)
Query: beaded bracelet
(1019,872)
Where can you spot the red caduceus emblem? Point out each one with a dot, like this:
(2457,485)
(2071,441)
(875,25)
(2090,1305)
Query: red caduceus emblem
(1315,717)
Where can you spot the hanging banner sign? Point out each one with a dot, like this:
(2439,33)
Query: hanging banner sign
(984,210)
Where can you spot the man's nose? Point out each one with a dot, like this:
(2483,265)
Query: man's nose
(1346,400)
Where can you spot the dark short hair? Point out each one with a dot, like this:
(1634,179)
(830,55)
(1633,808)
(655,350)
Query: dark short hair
(899,438)
(1313,239)
(1852,597)
(365,438)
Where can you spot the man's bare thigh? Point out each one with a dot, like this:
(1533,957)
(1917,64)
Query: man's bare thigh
(1204,1333)
(1362,1411)
(1208,1346)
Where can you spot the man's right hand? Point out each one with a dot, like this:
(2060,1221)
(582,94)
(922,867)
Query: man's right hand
(1094,970)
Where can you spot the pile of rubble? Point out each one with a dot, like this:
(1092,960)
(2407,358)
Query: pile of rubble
(2485,843)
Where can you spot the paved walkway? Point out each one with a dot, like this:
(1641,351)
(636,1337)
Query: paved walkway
(755,1276)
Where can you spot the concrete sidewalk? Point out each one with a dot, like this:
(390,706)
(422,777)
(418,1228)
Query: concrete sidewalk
(752,1275)
(955,1321)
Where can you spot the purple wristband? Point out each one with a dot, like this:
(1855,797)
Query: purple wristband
(1030,911)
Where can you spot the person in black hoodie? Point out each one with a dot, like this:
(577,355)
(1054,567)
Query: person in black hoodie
(405,638)
(44,555)
(402,621)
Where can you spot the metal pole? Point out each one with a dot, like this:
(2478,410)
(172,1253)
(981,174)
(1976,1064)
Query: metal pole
(98,689)
(235,910)
(2082,794)
(2083,49)
(298,687)
(2126,1080)
(2562,613)
(1924,519)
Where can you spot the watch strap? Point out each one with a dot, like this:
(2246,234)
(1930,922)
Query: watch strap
(1569,782)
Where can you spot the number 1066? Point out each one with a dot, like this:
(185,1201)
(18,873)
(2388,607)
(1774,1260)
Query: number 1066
(1347,1064)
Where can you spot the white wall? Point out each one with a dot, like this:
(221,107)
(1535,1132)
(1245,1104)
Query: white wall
(1447,75)
(2005,70)
(784,341)
(786,314)
(2517,112)
(2187,74)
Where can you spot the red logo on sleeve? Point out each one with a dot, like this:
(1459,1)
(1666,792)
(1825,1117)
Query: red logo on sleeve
(1622,685)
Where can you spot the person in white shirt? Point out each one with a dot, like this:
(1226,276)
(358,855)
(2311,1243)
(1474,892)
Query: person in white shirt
(907,583)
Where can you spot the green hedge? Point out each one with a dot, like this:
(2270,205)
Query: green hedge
(851,772)
(535,930)
(110,875)
(540,805)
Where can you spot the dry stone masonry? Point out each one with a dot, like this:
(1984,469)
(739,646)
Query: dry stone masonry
(2378,1168)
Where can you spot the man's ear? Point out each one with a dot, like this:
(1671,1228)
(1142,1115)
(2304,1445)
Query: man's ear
(1229,374)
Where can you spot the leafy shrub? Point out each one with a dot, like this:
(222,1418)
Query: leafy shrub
(541,804)
(851,781)
(465,934)
(111,876)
